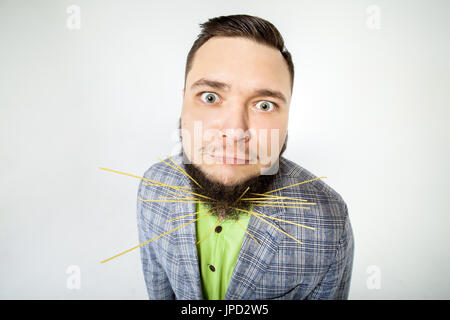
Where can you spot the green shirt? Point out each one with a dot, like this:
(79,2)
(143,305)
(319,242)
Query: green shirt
(218,251)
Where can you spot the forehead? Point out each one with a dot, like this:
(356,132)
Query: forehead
(243,63)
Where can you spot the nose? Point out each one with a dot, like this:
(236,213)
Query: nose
(235,135)
(235,126)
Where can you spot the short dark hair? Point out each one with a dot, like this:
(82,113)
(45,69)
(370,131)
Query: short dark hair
(241,25)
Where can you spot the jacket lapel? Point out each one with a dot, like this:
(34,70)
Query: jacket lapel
(188,257)
(254,258)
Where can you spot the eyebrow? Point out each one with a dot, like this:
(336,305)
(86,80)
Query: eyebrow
(203,82)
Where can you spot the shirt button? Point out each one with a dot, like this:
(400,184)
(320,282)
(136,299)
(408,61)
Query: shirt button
(218,229)
(211,267)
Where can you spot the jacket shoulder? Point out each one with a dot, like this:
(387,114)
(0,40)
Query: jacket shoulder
(291,171)
(164,171)
(154,213)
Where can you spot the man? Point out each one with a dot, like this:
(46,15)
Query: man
(230,217)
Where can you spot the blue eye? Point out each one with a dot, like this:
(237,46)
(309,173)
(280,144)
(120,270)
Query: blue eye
(265,105)
(209,97)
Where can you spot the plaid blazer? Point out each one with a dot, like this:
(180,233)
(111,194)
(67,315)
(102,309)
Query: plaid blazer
(277,268)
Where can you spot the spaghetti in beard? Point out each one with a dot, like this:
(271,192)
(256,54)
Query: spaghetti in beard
(224,197)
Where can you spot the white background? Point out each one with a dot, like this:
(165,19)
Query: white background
(370,111)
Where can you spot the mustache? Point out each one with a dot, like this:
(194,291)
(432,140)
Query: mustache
(222,150)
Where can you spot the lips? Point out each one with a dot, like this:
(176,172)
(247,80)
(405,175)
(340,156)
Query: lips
(229,159)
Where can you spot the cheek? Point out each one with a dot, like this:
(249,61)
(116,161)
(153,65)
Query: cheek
(186,127)
(270,138)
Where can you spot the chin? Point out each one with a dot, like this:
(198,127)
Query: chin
(229,175)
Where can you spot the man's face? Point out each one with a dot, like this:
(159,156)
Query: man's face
(235,109)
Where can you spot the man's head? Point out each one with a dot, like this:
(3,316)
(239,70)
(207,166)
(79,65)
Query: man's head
(236,99)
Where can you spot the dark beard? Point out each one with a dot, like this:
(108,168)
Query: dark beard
(225,196)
